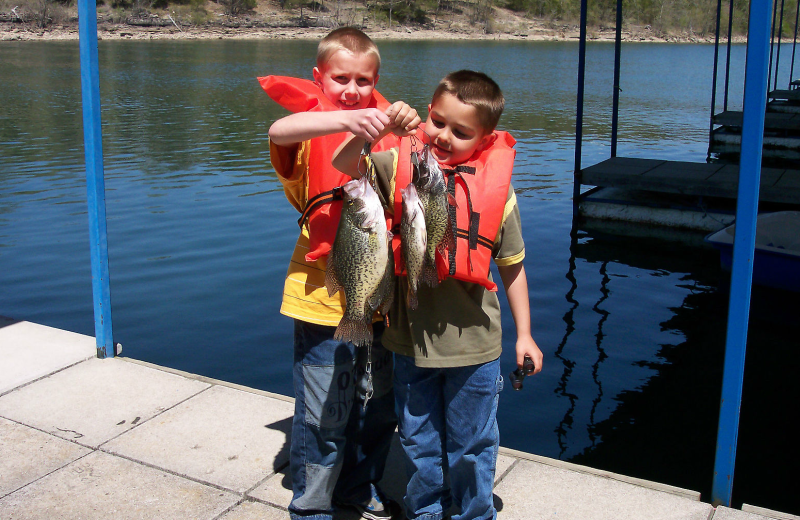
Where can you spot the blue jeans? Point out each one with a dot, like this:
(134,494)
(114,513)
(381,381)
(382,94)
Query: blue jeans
(448,428)
(332,433)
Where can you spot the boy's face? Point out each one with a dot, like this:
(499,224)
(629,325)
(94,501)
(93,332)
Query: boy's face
(348,79)
(454,130)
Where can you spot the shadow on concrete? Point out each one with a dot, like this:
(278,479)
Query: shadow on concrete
(282,458)
(498,502)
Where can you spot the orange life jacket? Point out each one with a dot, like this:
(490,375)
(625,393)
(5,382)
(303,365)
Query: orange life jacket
(324,206)
(480,187)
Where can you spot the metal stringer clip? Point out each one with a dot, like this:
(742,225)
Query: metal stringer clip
(370,389)
(369,168)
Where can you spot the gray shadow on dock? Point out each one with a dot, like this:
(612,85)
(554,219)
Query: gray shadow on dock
(284,426)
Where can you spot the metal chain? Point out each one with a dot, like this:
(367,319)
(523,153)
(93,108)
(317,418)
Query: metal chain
(370,390)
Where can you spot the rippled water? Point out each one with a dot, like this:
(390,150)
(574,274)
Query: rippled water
(200,234)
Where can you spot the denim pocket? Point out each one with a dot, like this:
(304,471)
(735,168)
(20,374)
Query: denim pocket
(328,394)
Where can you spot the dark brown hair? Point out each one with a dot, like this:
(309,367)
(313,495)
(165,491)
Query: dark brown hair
(475,89)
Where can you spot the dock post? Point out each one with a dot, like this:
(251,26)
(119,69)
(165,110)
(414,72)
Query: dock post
(95,183)
(577,177)
(714,83)
(615,94)
(755,96)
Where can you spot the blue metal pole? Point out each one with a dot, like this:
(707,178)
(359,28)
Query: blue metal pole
(778,54)
(728,54)
(714,83)
(617,64)
(755,96)
(578,176)
(95,183)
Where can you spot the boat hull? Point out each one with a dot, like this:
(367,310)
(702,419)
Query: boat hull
(777,253)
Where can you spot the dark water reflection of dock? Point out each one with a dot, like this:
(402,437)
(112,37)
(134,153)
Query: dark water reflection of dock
(667,425)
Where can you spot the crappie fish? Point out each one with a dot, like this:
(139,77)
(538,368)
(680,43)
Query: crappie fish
(414,240)
(432,190)
(358,262)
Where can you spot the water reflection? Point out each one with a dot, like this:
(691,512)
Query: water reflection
(569,365)
(663,397)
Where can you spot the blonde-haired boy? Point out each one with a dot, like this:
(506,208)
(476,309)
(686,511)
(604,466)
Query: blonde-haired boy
(339,445)
(447,369)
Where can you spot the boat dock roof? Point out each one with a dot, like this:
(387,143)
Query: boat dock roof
(82,437)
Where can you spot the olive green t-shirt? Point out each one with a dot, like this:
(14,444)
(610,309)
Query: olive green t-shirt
(457,323)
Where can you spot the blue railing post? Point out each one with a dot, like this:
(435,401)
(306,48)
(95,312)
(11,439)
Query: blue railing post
(95,183)
(615,94)
(578,176)
(755,98)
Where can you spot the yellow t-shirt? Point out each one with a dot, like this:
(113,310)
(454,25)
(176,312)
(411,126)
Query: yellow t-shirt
(304,294)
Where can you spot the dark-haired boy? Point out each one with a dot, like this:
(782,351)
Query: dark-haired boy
(447,371)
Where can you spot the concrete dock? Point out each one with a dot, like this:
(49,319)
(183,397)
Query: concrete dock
(83,438)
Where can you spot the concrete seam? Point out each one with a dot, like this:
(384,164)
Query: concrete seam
(230,508)
(171,472)
(165,410)
(505,473)
(267,502)
(276,471)
(47,474)
(73,441)
(23,385)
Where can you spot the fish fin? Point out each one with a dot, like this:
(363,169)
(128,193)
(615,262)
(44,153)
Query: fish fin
(451,199)
(331,279)
(448,242)
(429,274)
(358,332)
(388,299)
(413,303)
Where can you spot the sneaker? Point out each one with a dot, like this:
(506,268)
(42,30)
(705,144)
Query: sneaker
(378,508)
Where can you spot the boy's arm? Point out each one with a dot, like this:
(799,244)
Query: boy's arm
(347,158)
(516,285)
(299,127)
(403,120)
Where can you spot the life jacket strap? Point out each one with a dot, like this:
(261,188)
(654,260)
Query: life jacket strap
(471,234)
(326,197)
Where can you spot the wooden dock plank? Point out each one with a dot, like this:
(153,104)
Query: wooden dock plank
(788,95)
(688,178)
(772,120)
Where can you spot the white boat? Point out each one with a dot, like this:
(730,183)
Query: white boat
(777,253)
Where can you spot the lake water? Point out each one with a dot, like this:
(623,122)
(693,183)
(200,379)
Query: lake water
(200,234)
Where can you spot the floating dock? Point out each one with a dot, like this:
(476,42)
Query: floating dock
(117,438)
(695,196)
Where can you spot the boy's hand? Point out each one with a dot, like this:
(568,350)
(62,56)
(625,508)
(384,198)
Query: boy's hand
(366,123)
(526,346)
(403,119)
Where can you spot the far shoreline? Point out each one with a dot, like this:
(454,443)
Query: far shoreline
(124,31)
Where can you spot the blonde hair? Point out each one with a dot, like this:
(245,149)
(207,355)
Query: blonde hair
(346,39)
(475,89)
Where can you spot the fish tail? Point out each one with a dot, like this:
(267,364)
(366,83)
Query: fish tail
(358,332)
